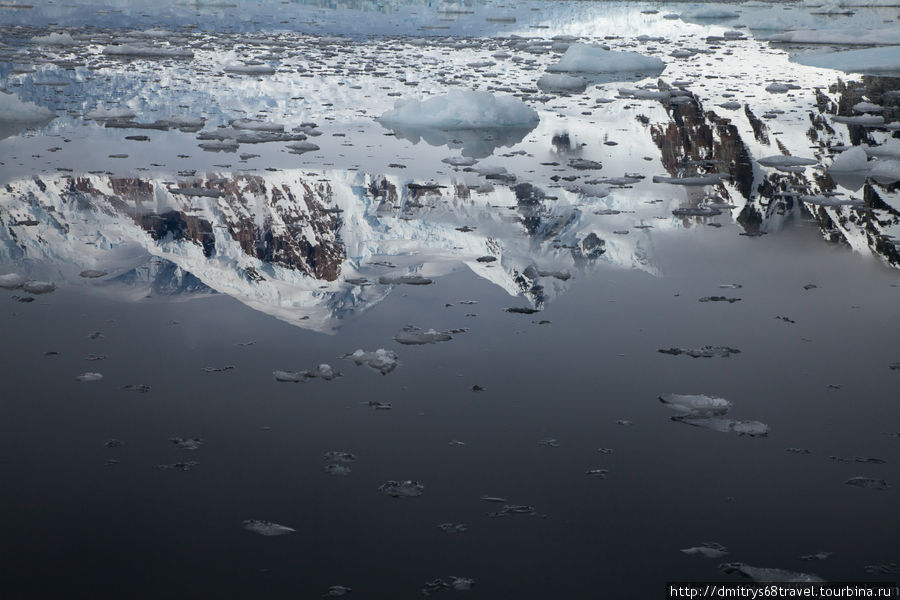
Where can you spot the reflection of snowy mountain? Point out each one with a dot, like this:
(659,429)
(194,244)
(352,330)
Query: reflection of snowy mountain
(298,245)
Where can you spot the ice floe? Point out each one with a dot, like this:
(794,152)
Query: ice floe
(461,109)
(267,528)
(586,58)
(381,360)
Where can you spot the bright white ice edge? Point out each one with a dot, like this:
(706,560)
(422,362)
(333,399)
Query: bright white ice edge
(586,58)
(880,60)
(461,109)
(15,111)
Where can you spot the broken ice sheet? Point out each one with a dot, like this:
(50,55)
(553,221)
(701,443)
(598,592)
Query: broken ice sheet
(407,489)
(381,360)
(266,528)
(707,550)
(768,575)
(323,371)
(413,336)
(187,443)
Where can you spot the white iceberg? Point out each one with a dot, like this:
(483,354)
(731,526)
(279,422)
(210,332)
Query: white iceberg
(461,109)
(585,58)
(870,60)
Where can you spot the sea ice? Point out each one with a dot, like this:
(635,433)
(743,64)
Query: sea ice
(396,489)
(768,575)
(266,528)
(696,404)
(585,58)
(413,336)
(381,360)
(87,377)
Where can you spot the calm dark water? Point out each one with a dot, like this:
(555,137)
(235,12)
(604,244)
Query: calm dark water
(269,262)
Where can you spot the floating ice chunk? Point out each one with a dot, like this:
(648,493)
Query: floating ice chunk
(602,473)
(854,159)
(178,466)
(323,371)
(266,528)
(864,120)
(381,360)
(147,51)
(561,83)
(768,575)
(731,105)
(221,369)
(301,147)
(750,428)
(13,110)
(704,352)
(220,146)
(780,88)
(396,489)
(830,201)
(868,483)
(867,107)
(696,404)
(781,160)
(513,509)
(256,125)
(719,299)
(337,590)
(583,164)
(493,499)
(87,377)
(337,456)
(885,171)
(55,39)
(839,36)
(870,60)
(92,274)
(549,442)
(889,149)
(336,469)
(413,336)
(403,278)
(453,527)
(454,583)
(700,211)
(461,109)
(188,443)
(711,179)
(139,388)
(816,556)
(585,58)
(11,281)
(707,550)
(460,161)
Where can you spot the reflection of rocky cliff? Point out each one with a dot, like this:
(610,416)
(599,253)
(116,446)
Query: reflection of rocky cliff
(309,248)
(697,142)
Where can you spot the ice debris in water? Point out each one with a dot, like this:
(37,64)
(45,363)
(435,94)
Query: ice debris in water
(602,473)
(703,352)
(719,299)
(705,411)
(38,287)
(86,377)
(266,528)
(461,109)
(337,590)
(561,82)
(768,575)
(147,51)
(453,527)
(323,371)
(187,443)
(11,281)
(92,274)
(816,556)
(868,483)
(697,180)
(218,369)
(140,388)
(707,550)
(549,442)
(696,404)
(585,58)
(381,360)
(179,466)
(337,456)
(513,509)
(336,469)
(396,489)
(113,443)
(413,336)
(452,583)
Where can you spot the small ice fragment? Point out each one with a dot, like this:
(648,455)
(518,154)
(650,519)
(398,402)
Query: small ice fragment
(549,442)
(381,360)
(92,274)
(323,371)
(415,337)
(707,550)
(396,489)
(868,483)
(696,404)
(113,443)
(86,377)
(38,287)
(187,443)
(582,164)
(218,369)
(522,310)
(768,575)
(336,469)
(337,590)
(493,499)
(719,299)
(453,527)
(704,352)
(602,473)
(179,466)
(699,180)
(816,556)
(266,528)
(302,147)
(11,281)
(140,388)
(781,160)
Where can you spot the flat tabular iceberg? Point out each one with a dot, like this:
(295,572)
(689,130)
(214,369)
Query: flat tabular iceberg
(585,58)
(878,60)
(461,109)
